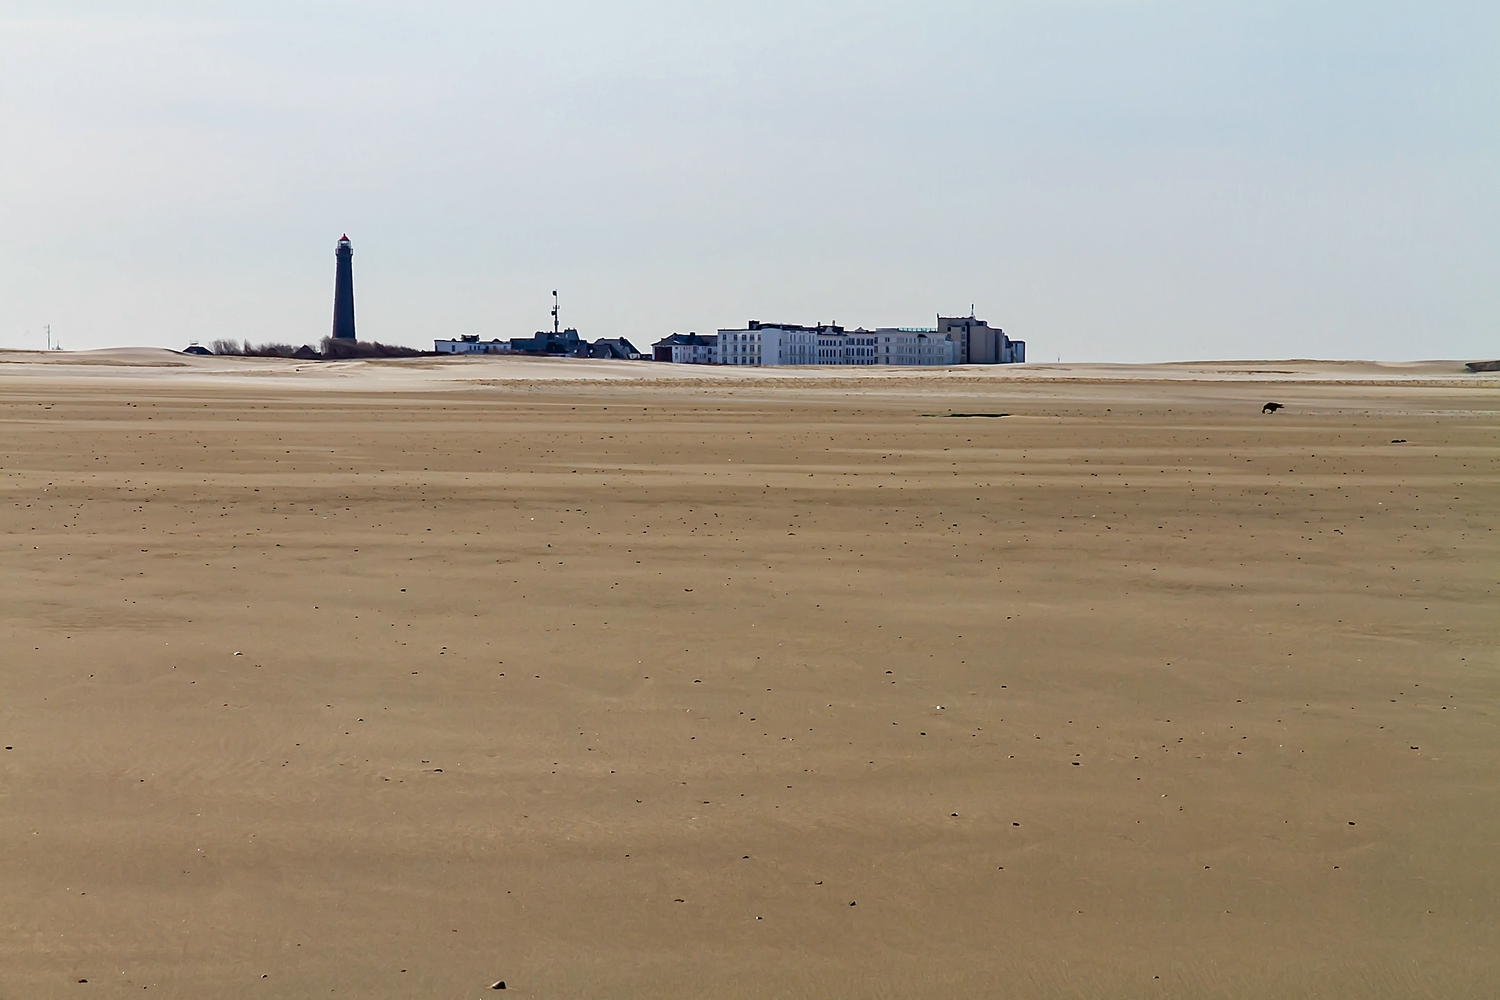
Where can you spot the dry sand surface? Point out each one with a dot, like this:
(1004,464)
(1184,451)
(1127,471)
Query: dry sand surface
(396,679)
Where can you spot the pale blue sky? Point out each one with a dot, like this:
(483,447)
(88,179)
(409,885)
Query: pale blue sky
(1107,180)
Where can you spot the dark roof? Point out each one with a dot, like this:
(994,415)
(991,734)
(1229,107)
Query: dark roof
(613,347)
(547,342)
(687,340)
(756,324)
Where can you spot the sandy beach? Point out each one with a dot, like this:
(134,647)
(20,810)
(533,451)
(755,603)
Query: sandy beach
(624,680)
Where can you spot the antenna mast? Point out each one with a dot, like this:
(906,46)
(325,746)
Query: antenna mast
(554,312)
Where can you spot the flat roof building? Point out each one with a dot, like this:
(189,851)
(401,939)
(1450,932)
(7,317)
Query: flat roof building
(981,344)
(469,343)
(763,344)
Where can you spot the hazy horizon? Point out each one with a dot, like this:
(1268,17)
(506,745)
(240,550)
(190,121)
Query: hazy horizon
(1108,181)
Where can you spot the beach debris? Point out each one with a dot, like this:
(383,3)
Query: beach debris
(1271,407)
(498,984)
(238,653)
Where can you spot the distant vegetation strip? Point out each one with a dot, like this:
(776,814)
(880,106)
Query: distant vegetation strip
(329,350)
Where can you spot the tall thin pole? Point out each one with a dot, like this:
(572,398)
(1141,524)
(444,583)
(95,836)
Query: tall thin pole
(554,312)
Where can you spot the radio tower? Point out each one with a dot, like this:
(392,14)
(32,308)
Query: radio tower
(343,291)
(554,312)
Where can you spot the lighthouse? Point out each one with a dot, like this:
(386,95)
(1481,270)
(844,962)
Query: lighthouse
(343,291)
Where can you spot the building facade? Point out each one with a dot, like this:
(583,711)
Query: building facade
(751,346)
(913,346)
(686,349)
(981,344)
(953,341)
(851,347)
(763,344)
(793,344)
(469,343)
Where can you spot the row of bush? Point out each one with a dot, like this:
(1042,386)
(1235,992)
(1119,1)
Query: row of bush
(330,350)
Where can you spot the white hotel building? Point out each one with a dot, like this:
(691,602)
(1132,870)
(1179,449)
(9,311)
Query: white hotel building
(952,342)
(764,344)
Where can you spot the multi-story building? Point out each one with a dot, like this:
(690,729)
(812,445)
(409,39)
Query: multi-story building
(846,347)
(792,344)
(951,342)
(763,344)
(686,349)
(981,344)
(469,343)
(915,346)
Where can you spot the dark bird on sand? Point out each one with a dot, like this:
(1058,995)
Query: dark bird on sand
(1270,408)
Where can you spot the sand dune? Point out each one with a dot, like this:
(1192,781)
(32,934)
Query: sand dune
(463,372)
(620,680)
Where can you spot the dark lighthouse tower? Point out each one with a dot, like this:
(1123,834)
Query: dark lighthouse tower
(343,291)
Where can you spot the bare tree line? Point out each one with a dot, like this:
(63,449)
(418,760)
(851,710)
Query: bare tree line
(329,349)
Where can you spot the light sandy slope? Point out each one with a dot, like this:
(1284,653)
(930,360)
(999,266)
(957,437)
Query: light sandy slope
(420,373)
(714,684)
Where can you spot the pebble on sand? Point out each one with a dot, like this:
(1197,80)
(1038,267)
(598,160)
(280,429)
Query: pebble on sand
(499,984)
